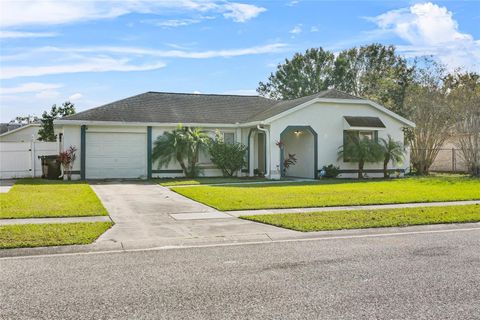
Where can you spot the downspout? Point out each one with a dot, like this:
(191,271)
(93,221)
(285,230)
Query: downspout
(267,141)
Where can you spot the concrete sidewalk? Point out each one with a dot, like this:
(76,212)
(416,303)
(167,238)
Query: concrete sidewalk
(240,213)
(6,222)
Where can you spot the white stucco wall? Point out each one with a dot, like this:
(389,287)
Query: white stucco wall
(23,134)
(327,120)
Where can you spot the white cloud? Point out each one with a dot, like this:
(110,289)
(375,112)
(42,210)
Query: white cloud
(314,29)
(22,34)
(196,92)
(47,95)
(431,30)
(110,58)
(240,12)
(75,97)
(223,53)
(30,87)
(95,64)
(293,3)
(16,13)
(296,30)
(173,22)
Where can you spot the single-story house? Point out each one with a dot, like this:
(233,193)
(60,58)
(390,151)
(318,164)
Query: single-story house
(22,133)
(115,140)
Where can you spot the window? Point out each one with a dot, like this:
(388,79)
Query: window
(365,135)
(229,137)
(350,136)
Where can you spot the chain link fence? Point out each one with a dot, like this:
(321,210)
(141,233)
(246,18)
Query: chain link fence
(449,160)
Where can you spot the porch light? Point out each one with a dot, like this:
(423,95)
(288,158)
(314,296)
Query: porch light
(297,132)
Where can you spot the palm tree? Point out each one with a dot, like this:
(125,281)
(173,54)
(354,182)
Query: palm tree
(392,151)
(171,145)
(198,141)
(361,151)
(182,144)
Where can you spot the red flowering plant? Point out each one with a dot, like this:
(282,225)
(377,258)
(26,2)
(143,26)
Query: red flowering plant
(67,158)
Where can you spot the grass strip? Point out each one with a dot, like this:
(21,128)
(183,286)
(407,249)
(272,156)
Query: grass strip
(326,193)
(55,234)
(360,219)
(37,198)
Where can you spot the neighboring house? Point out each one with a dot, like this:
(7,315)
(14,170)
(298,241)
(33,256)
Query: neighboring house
(115,140)
(22,133)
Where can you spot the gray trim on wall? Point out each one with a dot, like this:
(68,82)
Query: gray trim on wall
(83,147)
(248,148)
(315,147)
(149,152)
(168,171)
(369,170)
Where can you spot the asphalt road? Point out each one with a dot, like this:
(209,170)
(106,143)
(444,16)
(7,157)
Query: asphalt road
(416,276)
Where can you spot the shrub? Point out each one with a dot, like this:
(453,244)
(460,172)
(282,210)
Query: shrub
(331,171)
(229,157)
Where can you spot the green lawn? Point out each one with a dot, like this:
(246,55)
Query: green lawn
(43,235)
(335,193)
(359,219)
(35,198)
(198,181)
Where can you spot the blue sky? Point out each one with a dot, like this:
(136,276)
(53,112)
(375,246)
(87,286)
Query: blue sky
(94,52)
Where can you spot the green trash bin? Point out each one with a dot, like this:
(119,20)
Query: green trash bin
(50,167)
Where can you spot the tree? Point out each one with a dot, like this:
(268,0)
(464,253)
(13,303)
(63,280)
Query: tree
(429,109)
(361,151)
(182,144)
(229,157)
(46,132)
(463,94)
(375,72)
(303,75)
(392,151)
(197,141)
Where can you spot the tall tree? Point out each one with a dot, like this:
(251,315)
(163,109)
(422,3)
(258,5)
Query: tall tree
(374,71)
(303,75)
(463,94)
(430,110)
(46,132)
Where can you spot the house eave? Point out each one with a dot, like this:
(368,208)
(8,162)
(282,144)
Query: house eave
(153,124)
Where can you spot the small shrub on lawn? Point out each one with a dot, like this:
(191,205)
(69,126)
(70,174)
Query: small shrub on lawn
(331,171)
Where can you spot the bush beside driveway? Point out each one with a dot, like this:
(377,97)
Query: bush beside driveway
(334,193)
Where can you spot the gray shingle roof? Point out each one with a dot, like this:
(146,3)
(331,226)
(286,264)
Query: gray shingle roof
(162,107)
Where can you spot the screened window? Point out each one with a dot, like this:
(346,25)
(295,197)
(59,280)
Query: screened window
(229,137)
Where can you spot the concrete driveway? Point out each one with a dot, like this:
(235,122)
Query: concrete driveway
(149,215)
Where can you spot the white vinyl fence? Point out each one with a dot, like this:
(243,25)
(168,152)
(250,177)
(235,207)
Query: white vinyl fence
(20,159)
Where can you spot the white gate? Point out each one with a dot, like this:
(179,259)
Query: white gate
(20,159)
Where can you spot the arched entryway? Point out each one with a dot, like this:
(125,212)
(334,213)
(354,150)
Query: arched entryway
(301,141)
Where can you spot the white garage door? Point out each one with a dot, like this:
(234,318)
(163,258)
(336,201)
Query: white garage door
(116,155)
